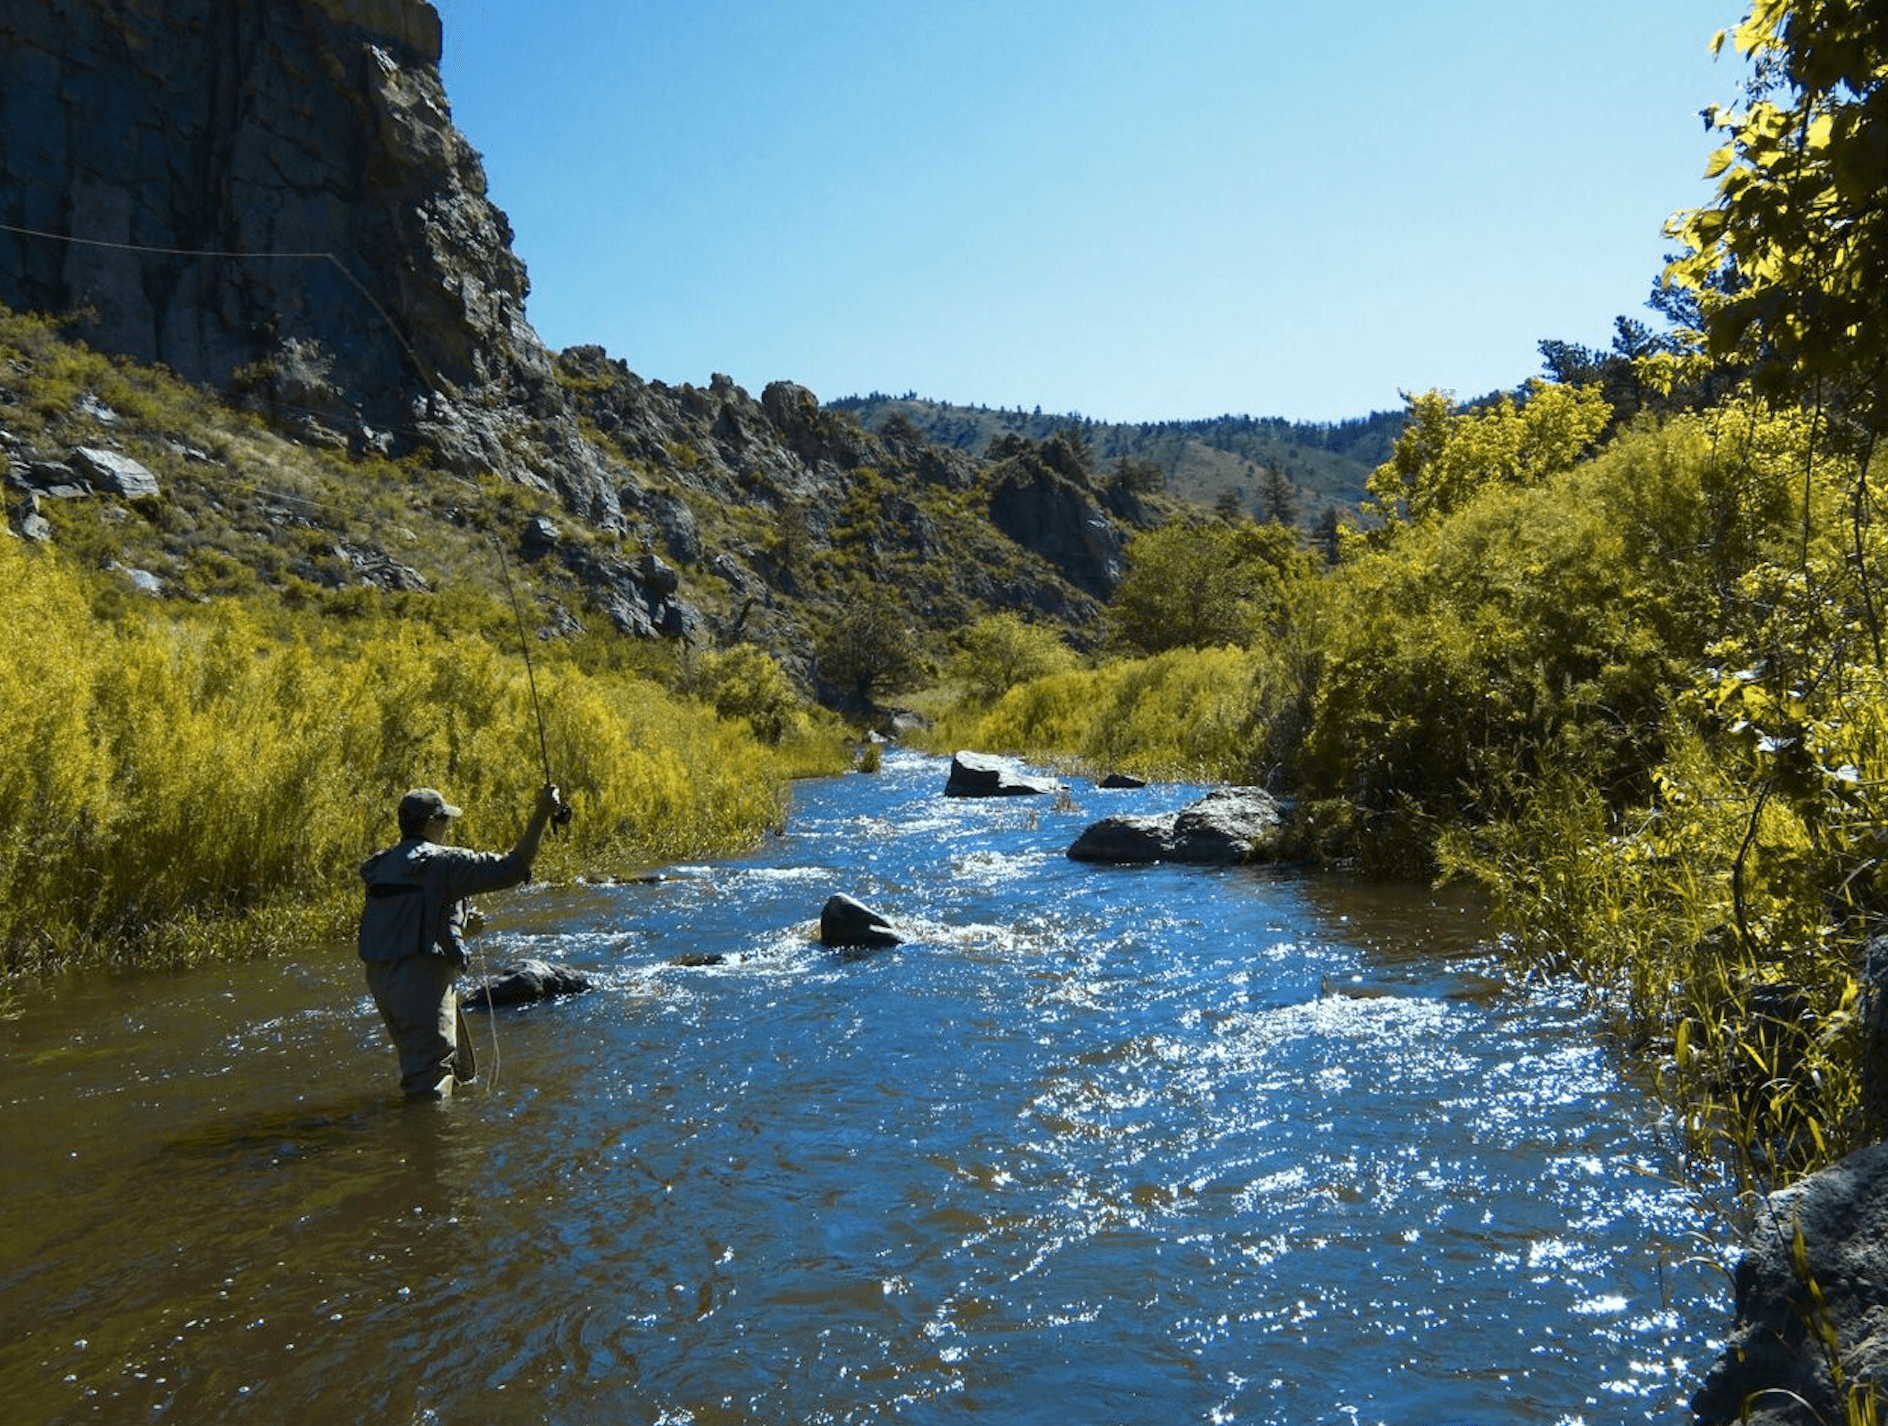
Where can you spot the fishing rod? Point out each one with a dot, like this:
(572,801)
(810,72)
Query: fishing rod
(561,816)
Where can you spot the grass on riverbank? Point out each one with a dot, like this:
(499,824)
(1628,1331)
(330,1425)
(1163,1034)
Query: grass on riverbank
(202,780)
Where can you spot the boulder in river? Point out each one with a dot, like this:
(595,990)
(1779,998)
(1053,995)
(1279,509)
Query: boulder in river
(980,775)
(1228,826)
(849,923)
(524,981)
(1775,1360)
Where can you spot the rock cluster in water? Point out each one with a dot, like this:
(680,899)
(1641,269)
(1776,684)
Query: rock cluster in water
(1228,826)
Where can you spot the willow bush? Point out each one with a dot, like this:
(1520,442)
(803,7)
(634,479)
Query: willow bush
(1718,878)
(1533,630)
(183,783)
(1193,714)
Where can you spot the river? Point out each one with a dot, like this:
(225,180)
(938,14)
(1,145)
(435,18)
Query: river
(1096,1145)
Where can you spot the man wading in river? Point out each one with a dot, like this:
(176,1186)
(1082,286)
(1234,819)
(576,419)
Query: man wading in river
(413,929)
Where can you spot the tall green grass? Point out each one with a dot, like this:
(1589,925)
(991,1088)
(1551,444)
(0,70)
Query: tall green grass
(180,783)
(1193,714)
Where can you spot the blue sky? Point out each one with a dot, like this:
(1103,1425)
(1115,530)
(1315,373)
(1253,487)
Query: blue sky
(1130,209)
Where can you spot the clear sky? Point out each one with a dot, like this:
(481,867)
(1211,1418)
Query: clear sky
(1132,209)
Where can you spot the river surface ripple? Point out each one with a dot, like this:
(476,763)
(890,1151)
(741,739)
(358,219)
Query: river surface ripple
(1097,1145)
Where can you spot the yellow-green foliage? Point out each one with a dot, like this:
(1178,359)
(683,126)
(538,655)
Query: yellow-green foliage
(1193,583)
(747,682)
(1188,713)
(176,783)
(1536,629)
(1724,861)
(999,651)
(1444,456)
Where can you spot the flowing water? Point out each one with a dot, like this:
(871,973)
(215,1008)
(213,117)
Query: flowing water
(1096,1145)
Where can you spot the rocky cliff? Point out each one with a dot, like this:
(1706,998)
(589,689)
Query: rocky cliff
(271,195)
(272,200)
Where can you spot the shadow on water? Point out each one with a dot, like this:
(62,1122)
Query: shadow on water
(1115,1145)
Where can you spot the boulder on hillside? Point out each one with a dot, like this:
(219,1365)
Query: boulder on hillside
(522,982)
(1228,826)
(55,480)
(980,775)
(1773,1361)
(844,922)
(114,472)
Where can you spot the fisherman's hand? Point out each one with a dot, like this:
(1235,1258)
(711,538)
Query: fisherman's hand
(552,807)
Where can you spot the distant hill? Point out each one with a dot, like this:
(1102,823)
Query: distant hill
(1203,462)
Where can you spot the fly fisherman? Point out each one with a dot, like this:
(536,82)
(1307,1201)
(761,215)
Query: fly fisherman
(412,934)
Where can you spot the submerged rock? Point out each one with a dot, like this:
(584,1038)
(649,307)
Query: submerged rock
(1227,826)
(522,982)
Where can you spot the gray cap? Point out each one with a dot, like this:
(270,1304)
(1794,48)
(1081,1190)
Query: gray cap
(423,804)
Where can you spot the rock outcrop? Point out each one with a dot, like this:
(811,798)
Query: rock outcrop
(1776,1361)
(1228,826)
(272,194)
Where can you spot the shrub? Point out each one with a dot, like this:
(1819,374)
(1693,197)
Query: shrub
(194,781)
(999,651)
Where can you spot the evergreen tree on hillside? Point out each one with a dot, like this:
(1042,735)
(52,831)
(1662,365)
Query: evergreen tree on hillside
(1278,502)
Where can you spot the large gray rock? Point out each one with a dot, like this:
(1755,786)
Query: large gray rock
(1774,1360)
(844,922)
(114,472)
(1228,826)
(980,775)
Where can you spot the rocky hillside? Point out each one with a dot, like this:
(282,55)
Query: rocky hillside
(273,203)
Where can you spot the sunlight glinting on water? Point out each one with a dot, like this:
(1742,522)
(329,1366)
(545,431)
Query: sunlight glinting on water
(1093,1144)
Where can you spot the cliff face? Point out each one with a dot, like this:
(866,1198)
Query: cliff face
(263,196)
(271,199)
